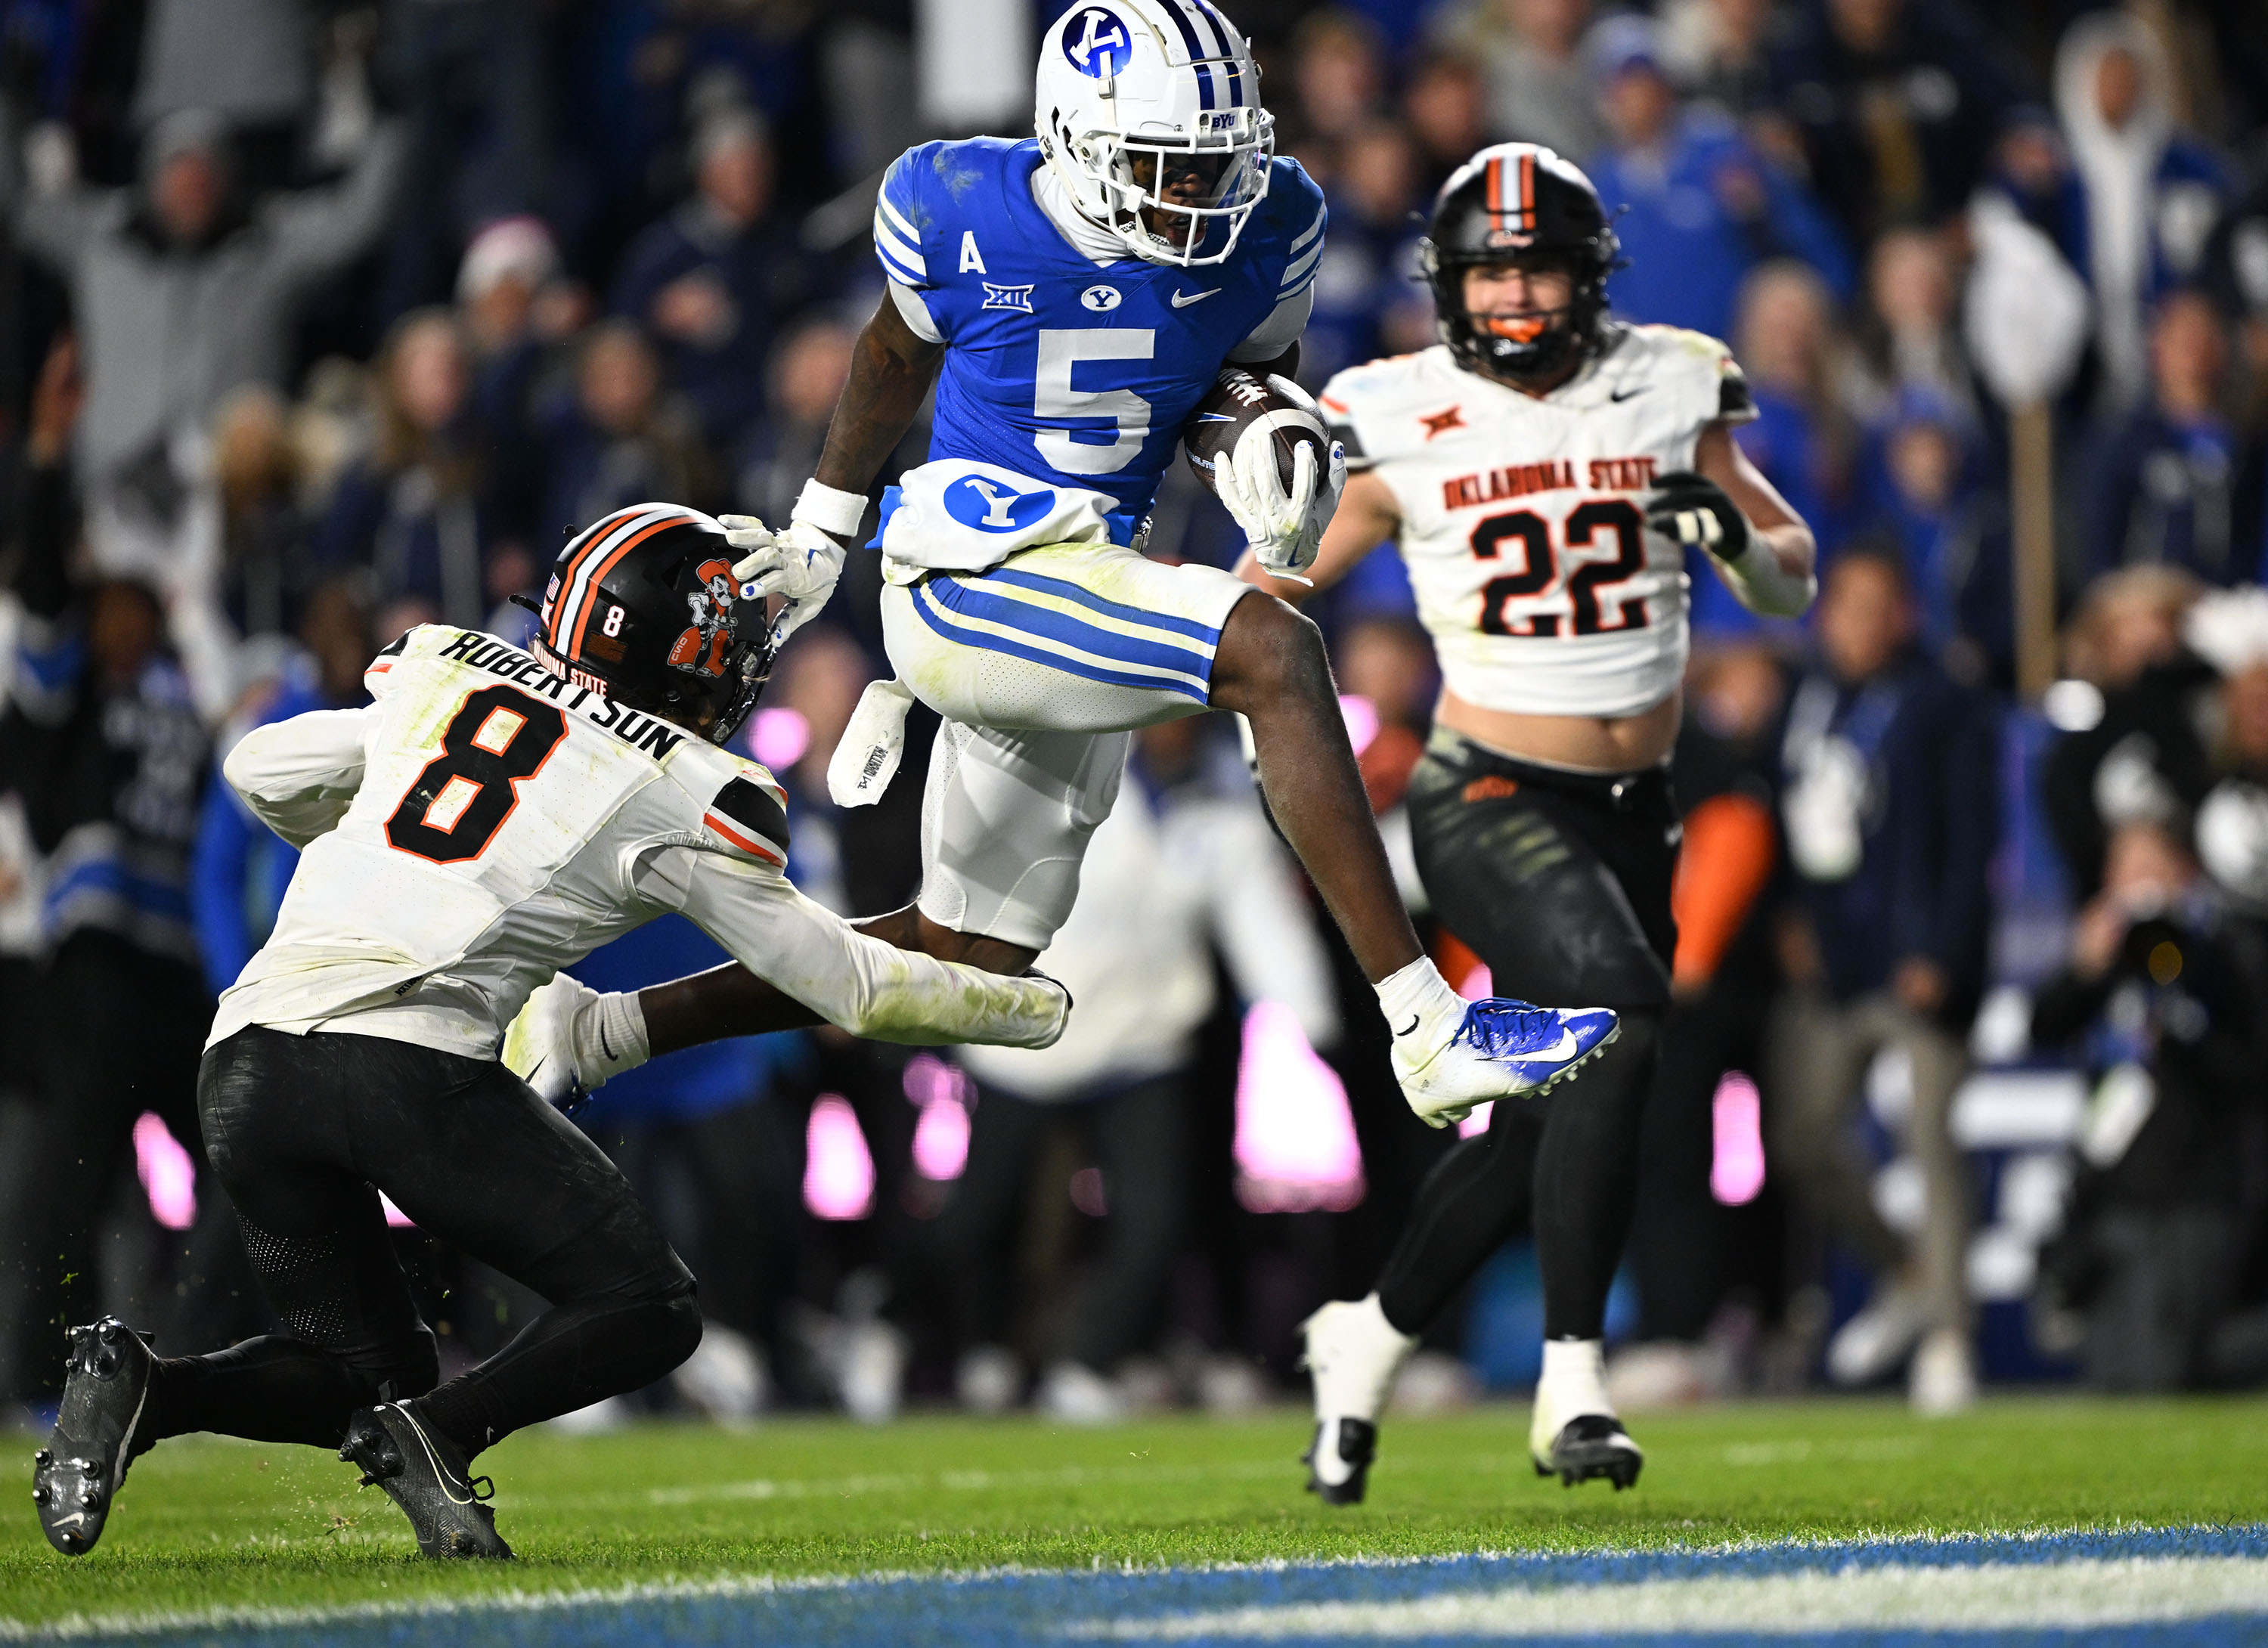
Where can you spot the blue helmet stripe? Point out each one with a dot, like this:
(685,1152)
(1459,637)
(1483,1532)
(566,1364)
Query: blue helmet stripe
(1227,38)
(1205,99)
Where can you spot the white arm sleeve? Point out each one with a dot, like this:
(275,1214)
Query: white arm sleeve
(1762,584)
(1279,331)
(1265,932)
(916,312)
(861,984)
(298,776)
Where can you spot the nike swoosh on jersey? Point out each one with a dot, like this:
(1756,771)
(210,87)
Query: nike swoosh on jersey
(1624,394)
(1182,300)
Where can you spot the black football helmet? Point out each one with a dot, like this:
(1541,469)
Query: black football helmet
(643,607)
(1511,203)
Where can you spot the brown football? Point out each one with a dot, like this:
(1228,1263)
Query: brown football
(1272,408)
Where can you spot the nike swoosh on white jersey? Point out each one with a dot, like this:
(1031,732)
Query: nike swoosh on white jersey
(1182,300)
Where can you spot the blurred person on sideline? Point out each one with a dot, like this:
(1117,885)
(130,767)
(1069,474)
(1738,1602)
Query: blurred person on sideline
(1922,488)
(1338,75)
(1896,103)
(1185,861)
(619,438)
(1698,207)
(1531,59)
(1370,257)
(2231,632)
(267,562)
(1887,801)
(2168,998)
(413,515)
(1445,110)
(1724,977)
(2161,485)
(2143,197)
(514,313)
(239,868)
(185,289)
(1908,333)
(805,378)
(102,741)
(713,281)
(2132,751)
(1717,53)
(1800,440)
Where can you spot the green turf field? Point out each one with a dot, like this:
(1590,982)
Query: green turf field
(204,1523)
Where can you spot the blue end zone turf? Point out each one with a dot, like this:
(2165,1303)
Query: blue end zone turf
(2164,1588)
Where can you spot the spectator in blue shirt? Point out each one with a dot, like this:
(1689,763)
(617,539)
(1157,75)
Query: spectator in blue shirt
(1889,776)
(1923,489)
(1699,207)
(2161,487)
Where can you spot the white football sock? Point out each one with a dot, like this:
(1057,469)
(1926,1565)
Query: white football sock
(1573,1383)
(1421,1011)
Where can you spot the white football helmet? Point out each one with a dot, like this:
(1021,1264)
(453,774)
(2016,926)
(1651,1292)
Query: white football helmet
(1152,106)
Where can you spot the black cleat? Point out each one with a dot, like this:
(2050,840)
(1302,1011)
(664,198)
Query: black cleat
(425,1473)
(1593,1444)
(106,1394)
(1357,1446)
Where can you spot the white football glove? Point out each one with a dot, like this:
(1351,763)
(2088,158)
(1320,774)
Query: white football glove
(801,565)
(1283,526)
(569,1039)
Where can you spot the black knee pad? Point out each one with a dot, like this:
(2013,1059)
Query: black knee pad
(676,1324)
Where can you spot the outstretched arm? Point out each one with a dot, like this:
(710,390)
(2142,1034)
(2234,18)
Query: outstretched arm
(809,953)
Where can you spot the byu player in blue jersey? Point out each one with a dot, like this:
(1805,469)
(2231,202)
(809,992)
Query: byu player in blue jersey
(1071,297)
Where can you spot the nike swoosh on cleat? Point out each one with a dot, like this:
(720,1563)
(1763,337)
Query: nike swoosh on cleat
(1566,1046)
(1407,1028)
(1182,300)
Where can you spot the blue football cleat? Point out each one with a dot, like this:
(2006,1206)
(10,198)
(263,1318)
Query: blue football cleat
(1502,1048)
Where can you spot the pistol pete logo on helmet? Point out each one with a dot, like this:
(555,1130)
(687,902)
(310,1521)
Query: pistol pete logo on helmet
(702,650)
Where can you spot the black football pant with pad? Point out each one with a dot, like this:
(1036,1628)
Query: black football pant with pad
(1560,883)
(304,1132)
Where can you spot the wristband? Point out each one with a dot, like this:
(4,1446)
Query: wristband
(831,509)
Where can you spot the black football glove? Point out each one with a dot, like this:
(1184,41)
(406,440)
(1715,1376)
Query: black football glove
(1691,509)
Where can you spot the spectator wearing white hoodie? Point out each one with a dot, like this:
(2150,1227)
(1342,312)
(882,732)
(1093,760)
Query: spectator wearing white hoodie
(2144,197)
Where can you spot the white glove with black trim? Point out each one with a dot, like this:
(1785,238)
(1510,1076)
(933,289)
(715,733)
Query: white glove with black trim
(1283,526)
(569,1039)
(801,564)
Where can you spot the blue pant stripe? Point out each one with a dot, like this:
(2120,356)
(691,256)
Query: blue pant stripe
(1210,634)
(1007,611)
(1056,661)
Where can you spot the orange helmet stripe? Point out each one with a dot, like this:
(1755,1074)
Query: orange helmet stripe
(574,649)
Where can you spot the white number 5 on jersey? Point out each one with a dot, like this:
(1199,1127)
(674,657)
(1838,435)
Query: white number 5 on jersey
(1053,397)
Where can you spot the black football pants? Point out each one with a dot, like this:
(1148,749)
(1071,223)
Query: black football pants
(1560,883)
(304,1132)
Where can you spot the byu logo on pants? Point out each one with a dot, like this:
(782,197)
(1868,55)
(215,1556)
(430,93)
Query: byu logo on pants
(989,507)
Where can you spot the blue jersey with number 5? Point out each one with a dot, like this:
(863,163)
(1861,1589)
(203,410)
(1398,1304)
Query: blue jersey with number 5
(1073,372)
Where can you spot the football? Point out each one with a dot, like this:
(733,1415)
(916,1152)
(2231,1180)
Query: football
(1239,407)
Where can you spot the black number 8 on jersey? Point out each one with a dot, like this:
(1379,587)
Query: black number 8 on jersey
(496,740)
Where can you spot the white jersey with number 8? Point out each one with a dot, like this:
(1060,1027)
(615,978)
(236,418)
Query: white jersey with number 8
(1522,522)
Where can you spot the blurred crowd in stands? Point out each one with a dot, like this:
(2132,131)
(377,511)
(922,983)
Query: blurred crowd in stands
(319,319)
